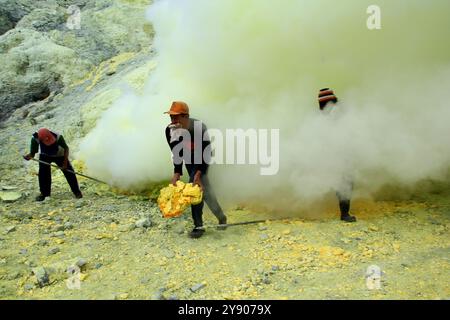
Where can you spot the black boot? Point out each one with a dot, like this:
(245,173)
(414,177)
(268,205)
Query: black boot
(40,197)
(222,224)
(196,233)
(344,206)
(348,218)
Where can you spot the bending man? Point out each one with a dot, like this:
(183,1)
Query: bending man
(53,148)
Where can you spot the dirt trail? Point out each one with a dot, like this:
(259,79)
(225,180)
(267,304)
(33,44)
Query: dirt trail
(290,259)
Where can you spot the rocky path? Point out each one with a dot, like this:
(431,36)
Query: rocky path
(109,246)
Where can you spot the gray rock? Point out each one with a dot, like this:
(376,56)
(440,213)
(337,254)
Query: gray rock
(42,54)
(9,196)
(54,250)
(41,275)
(434,221)
(405,265)
(143,223)
(275,268)
(98,265)
(180,229)
(68,226)
(44,19)
(15,275)
(262,228)
(10,229)
(59,234)
(81,263)
(26,221)
(42,243)
(16,215)
(73,269)
(172,298)
(144,280)
(266,280)
(28,286)
(59,228)
(168,254)
(5,24)
(109,208)
(197,287)
(30,264)
(23,251)
(8,188)
(159,295)
(80,203)
(31,84)
(126,227)
(264,236)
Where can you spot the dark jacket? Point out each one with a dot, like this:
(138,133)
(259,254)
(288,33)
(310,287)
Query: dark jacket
(199,147)
(55,150)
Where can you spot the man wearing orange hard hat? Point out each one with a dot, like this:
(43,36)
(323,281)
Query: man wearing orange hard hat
(185,147)
(53,148)
(327,103)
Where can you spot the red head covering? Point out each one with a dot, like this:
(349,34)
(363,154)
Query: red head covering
(46,137)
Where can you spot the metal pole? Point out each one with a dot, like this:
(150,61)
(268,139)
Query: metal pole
(242,223)
(77,173)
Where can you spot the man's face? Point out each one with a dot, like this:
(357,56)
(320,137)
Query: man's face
(181,120)
(47,140)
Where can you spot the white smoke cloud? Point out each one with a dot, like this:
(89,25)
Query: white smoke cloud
(260,64)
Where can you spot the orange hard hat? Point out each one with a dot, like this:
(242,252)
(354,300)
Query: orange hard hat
(178,107)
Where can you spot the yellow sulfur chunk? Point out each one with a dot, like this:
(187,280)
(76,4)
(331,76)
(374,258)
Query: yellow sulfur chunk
(174,200)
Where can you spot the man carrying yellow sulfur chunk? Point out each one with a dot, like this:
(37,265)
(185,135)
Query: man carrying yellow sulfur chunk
(189,143)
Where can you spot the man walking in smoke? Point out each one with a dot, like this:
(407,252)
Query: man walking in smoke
(181,136)
(327,103)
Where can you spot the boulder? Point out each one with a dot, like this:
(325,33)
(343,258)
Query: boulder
(40,53)
(41,275)
(8,196)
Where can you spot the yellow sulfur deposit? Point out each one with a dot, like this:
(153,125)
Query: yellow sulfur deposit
(79,166)
(173,200)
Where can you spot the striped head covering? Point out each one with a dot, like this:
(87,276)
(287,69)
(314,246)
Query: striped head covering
(326,95)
